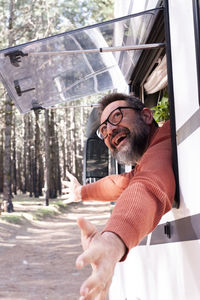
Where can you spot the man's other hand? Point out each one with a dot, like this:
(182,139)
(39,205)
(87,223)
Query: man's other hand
(72,189)
(102,251)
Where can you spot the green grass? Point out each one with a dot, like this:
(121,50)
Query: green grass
(44,213)
(61,207)
(13,219)
(33,209)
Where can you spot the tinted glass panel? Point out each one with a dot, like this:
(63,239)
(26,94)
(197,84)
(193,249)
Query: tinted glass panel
(96,159)
(43,73)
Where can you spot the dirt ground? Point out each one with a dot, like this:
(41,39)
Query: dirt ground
(37,258)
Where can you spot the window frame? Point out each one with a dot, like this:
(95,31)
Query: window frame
(196,15)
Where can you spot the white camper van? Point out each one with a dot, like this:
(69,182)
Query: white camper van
(155,45)
(165,266)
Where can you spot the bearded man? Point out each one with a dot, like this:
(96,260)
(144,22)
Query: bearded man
(142,196)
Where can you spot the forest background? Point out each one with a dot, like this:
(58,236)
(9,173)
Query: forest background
(37,148)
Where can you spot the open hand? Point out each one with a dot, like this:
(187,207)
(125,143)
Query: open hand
(72,190)
(102,251)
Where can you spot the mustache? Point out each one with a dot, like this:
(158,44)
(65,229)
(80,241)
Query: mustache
(117,131)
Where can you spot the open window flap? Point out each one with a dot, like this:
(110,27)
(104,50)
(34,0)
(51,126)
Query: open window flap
(50,71)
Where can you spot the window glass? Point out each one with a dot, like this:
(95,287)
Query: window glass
(196,11)
(44,73)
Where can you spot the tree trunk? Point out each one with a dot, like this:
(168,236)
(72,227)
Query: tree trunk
(30,155)
(57,165)
(53,190)
(25,156)
(47,158)
(14,168)
(7,198)
(64,159)
(20,182)
(37,154)
(1,162)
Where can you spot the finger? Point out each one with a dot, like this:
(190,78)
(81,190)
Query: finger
(66,201)
(93,287)
(64,196)
(89,256)
(104,293)
(100,292)
(101,276)
(66,190)
(69,175)
(67,185)
(88,234)
(64,182)
(87,228)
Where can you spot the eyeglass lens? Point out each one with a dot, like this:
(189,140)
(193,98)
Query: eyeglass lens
(114,119)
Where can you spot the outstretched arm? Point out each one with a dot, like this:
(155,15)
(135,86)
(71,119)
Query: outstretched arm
(102,251)
(108,188)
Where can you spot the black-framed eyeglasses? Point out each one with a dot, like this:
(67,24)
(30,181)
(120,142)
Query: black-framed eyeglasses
(114,118)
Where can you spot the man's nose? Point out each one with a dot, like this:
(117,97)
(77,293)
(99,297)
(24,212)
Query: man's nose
(110,128)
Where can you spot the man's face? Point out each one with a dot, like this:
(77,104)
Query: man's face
(127,141)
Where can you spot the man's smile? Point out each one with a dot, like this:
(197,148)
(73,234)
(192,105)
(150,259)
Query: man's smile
(119,138)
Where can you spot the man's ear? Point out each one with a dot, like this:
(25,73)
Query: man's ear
(147,115)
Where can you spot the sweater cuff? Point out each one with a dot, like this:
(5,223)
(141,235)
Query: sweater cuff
(84,194)
(126,248)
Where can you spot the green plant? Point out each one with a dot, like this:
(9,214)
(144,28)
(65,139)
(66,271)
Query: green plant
(162,111)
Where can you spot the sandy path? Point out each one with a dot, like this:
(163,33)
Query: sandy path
(37,259)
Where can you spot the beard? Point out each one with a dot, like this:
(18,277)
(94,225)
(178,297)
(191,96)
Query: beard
(137,140)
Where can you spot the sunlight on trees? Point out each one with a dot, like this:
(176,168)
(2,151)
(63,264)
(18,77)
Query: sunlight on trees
(32,161)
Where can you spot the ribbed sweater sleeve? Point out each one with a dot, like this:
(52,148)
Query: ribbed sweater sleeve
(106,189)
(149,194)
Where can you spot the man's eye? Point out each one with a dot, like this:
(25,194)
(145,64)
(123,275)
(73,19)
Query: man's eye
(116,116)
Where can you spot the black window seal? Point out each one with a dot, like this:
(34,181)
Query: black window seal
(172,106)
(196,14)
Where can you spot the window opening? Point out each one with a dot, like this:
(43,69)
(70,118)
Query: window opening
(171,103)
(196,13)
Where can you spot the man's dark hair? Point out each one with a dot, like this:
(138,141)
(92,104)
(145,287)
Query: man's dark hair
(131,100)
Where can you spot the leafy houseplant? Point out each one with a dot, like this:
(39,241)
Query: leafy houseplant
(162,111)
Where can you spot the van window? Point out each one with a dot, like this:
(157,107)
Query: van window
(96,160)
(196,12)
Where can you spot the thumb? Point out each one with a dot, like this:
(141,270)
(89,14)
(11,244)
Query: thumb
(87,228)
(69,175)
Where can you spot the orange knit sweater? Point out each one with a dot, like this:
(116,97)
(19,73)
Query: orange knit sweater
(143,195)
